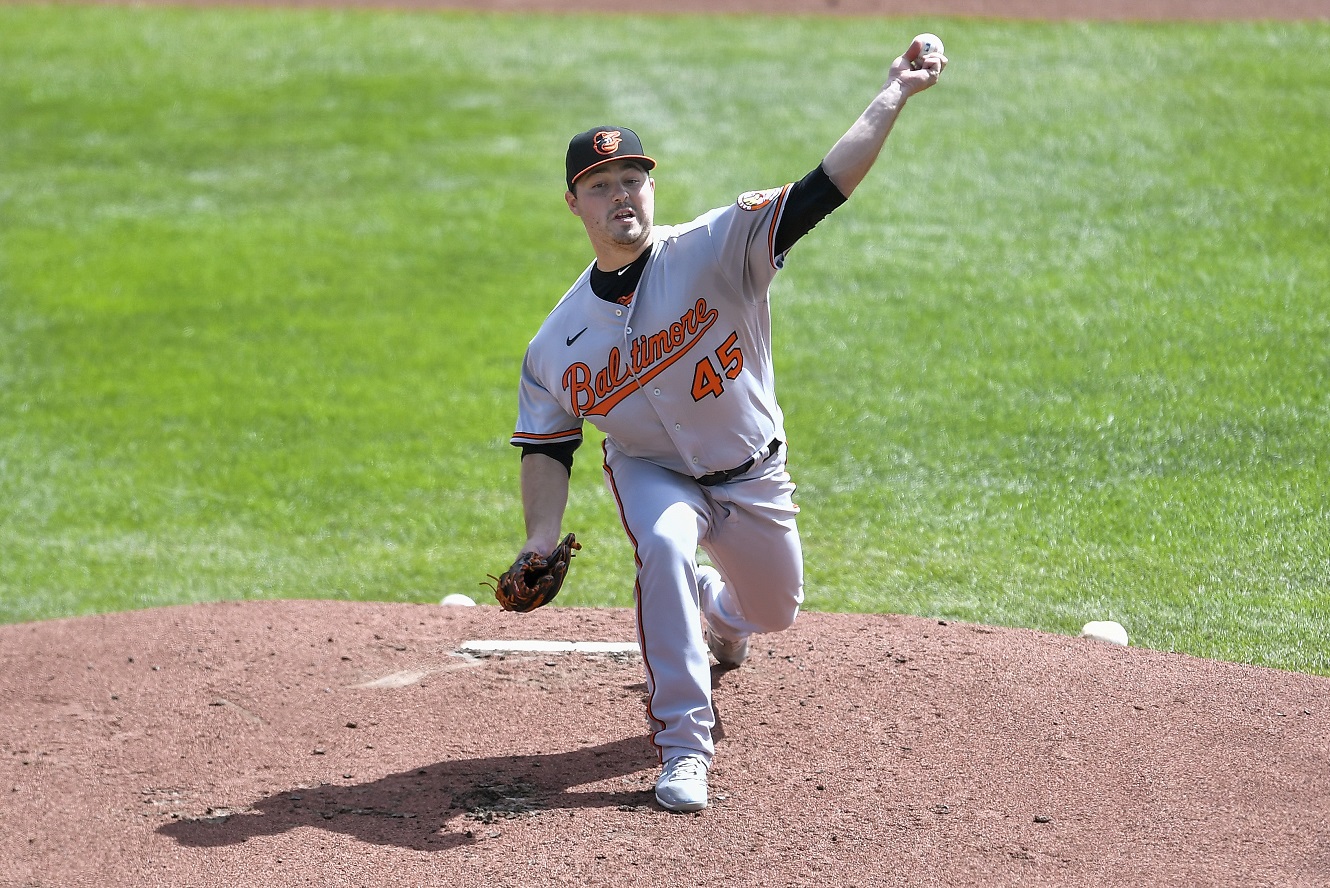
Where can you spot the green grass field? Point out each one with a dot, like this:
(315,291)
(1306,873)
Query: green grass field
(266,279)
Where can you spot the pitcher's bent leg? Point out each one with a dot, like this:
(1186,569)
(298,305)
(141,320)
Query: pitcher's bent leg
(755,544)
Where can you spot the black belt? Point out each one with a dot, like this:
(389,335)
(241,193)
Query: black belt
(714,478)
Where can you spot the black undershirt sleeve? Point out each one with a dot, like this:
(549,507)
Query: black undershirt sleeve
(561,453)
(811,200)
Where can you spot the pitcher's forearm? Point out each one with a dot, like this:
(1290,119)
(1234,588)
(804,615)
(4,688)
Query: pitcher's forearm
(544,499)
(853,155)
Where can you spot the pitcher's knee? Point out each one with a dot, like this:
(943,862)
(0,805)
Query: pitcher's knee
(779,614)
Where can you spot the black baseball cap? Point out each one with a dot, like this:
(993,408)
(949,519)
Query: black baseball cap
(600,145)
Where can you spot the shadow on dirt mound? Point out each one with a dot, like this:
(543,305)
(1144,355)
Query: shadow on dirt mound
(432,808)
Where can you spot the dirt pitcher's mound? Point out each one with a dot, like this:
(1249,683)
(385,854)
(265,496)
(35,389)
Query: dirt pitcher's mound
(322,743)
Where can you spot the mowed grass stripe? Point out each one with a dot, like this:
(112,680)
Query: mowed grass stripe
(266,278)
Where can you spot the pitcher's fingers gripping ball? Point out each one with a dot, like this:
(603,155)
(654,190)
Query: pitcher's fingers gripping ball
(534,579)
(929,45)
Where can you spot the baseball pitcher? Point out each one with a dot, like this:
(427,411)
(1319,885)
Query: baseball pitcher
(663,343)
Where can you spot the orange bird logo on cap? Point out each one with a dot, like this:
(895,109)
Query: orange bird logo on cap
(607,142)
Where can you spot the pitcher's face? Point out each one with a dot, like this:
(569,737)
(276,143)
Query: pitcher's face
(616,203)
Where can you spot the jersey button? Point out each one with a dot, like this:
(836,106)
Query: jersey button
(656,392)
(628,330)
(618,312)
(678,426)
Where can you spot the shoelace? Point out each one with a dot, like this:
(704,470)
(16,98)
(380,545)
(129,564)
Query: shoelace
(687,767)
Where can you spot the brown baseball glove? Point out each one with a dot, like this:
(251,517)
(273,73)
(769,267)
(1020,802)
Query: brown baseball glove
(534,579)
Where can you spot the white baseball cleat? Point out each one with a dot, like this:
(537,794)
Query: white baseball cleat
(682,786)
(727,653)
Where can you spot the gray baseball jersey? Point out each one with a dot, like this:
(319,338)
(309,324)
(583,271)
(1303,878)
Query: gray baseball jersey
(682,376)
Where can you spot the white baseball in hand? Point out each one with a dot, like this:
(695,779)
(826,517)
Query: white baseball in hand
(929,44)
